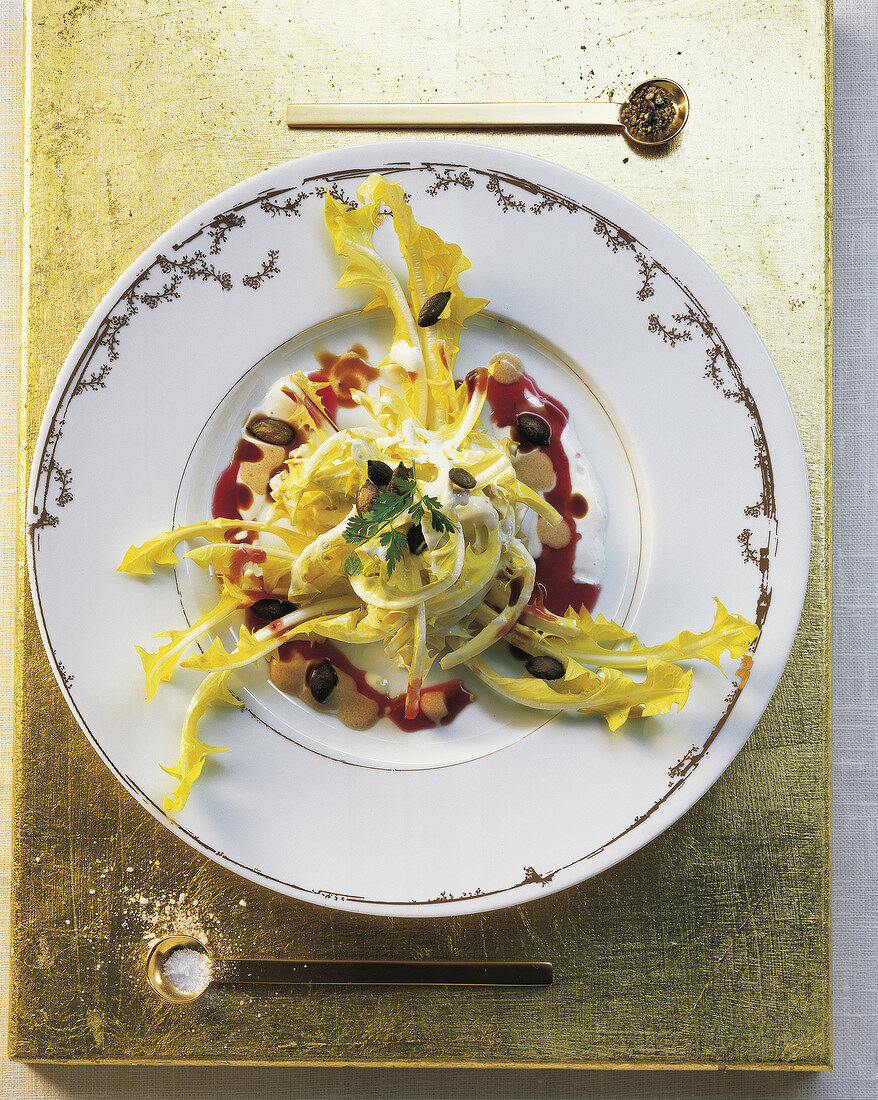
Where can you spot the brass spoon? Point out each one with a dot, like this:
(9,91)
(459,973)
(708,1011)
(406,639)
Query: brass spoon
(487,116)
(238,972)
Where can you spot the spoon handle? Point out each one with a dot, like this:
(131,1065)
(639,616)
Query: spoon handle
(451,116)
(379,972)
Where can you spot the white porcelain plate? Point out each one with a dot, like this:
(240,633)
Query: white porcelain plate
(685,421)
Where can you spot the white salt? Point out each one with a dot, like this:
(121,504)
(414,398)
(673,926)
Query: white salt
(187,970)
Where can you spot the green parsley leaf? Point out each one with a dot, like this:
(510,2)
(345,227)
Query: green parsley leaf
(396,545)
(399,497)
(387,507)
(404,487)
(438,519)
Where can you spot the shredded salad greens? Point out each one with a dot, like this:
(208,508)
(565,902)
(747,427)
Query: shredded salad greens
(434,572)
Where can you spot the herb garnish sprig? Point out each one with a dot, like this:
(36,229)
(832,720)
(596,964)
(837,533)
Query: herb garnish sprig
(401,497)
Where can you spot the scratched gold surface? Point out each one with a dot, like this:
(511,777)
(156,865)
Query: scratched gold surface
(711,946)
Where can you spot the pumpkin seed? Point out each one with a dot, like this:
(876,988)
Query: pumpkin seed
(379,472)
(269,610)
(366,497)
(415,538)
(463,479)
(533,429)
(433,309)
(268,429)
(322,681)
(544,668)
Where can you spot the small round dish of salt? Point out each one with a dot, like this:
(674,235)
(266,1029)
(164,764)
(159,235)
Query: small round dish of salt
(179,969)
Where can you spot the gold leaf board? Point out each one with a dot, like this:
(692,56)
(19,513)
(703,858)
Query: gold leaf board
(711,946)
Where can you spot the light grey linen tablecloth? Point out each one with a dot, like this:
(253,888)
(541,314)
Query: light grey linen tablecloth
(856,675)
